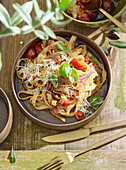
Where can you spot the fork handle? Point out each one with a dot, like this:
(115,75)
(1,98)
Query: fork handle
(103,142)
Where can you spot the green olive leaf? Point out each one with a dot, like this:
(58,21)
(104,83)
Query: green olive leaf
(74,76)
(41,34)
(92,59)
(48,4)
(11,31)
(47,16)
(26,29)
(0,61)
(12,156)
(62,47)
(60,23)
(118,43)
(26,17)
(54,80)
(95,101)
(49,31)
(16,18)
(38,11)
(65,70)
(4,16)
(105,50)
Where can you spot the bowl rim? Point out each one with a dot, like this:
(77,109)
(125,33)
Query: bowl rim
(95,22)
(55,125)
(5,132)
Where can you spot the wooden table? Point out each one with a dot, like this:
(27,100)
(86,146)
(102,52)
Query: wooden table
(26,136)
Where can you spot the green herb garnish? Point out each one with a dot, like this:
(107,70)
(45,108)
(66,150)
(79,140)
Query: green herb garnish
(118,43)
(54,80)
(95,101)
(0,61)
(12,156)
(61,46)
(66,71)
(74,76)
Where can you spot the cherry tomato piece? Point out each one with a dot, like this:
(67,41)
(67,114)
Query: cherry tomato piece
(68,102)
(79,115)
(78,65)
(86,60)
(31,54)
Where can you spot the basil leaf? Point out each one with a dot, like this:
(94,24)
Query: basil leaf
(54,80)
(49,31)
(118,43)
(74,76)
(12,156)
(26,17)
(41,34)
(26,29)
(60,23)
(61,46)
(48,4)
(114,28)
(105,50)
(0,61)
(38,11)
(65,4)
(65,70)
(95,101)
(16,18)
(47,16)
(92,59)
(4,16)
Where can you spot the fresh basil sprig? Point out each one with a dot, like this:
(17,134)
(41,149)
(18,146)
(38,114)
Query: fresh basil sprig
(12,156)
(118,43)
(0,60)
(95,101)
(74,76)
(66,71)
(62,47)
(52,14)
(54,80)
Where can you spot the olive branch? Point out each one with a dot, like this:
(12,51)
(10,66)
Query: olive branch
(22,13)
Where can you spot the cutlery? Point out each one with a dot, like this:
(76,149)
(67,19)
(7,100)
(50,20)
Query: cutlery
(68,157)
(96,5)
(82,133)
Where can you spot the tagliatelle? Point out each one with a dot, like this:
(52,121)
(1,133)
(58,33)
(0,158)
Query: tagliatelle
(66,98)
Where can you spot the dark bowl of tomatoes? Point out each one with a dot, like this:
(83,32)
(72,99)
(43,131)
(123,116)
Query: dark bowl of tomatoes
(44,117)
(79,14)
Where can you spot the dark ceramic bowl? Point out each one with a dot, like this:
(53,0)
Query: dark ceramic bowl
(6,116)
(46,119)
(116,13)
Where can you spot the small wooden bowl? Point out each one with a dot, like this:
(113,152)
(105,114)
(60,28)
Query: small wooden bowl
(6,116)
(44,118)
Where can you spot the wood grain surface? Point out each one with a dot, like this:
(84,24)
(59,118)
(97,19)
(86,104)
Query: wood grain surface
(26,135)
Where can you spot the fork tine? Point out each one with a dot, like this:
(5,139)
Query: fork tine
(55,166)
(53,163)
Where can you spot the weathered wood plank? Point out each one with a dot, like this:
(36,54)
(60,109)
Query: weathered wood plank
(32,160)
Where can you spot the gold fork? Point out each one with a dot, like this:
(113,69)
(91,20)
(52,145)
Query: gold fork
(68,157)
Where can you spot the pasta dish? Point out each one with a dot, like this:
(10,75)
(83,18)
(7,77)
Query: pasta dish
(61,76)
